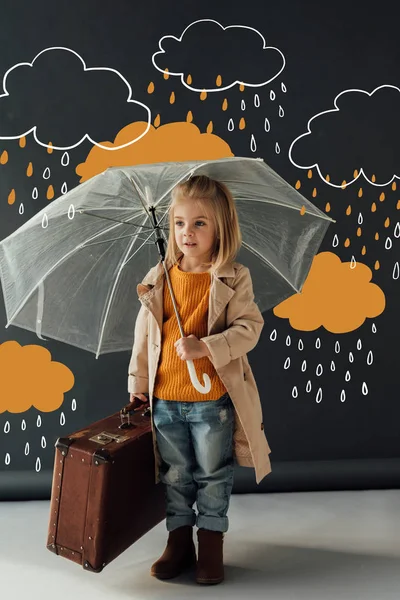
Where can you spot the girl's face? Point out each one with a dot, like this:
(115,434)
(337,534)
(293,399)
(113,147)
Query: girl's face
(192,226)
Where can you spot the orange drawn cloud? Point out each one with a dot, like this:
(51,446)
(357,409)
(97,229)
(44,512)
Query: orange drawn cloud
(334,296)
(171,142)
(30,378)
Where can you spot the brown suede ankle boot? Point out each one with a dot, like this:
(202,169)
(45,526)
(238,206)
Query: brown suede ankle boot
(179,555)
(210,565)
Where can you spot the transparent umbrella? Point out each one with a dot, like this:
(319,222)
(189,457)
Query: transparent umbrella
(70,272)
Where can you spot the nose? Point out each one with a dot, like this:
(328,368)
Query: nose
(188,232)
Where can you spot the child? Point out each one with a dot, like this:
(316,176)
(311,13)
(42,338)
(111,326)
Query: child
(197,436)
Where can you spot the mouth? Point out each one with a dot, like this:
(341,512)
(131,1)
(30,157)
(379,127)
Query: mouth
(190,245)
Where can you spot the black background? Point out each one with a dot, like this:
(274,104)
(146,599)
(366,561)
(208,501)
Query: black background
(327,49)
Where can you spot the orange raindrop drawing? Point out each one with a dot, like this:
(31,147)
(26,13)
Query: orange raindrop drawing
(11,197)
(50,193)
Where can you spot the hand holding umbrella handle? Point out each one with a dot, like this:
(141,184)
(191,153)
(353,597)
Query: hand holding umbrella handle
(203,389)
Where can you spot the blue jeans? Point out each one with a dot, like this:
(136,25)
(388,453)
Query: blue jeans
(195,441)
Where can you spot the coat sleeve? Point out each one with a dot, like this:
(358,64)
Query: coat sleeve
(138,371)
(245,323)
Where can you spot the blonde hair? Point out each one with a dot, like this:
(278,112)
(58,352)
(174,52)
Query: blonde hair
(219,204)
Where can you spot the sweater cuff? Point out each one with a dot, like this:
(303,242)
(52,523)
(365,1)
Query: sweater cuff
(219,349)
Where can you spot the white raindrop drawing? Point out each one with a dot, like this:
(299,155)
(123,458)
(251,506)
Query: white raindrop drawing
(45,221)
(71,212)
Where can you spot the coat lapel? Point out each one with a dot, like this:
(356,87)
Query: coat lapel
(150,293)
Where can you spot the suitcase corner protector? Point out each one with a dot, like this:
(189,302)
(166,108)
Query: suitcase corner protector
(52,547)
(88,567)
(101,456)
(63,443)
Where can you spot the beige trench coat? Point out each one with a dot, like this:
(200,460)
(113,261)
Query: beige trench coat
(234,327)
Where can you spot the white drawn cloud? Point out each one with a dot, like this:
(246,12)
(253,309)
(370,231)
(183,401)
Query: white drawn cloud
(206,50)
(61,100)
(358,138)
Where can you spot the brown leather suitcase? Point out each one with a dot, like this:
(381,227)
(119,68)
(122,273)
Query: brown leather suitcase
(104,496)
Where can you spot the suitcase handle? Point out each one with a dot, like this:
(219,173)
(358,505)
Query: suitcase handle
(131,408)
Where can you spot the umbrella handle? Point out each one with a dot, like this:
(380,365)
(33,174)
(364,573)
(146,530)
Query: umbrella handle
(203,389)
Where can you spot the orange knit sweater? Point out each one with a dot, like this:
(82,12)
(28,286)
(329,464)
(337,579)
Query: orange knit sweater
(192,291)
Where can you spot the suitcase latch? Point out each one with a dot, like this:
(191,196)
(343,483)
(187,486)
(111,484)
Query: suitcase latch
(105,438)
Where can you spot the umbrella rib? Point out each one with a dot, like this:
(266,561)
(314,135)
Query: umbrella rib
(192,169)
(136,251)
(262,258)
(85,212)
(114,240)
(112,292)
(80,286)
(62,259)
(321,215)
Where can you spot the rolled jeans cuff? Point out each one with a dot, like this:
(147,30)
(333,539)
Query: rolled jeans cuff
(174,522)
(212,523)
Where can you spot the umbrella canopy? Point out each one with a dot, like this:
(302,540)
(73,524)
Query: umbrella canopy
(70,272)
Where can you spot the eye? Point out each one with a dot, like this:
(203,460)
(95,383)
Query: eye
(178,223)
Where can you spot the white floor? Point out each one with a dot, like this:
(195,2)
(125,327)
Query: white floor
(311,546)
